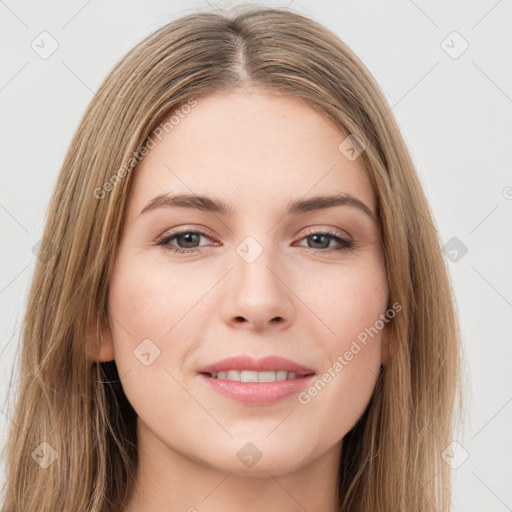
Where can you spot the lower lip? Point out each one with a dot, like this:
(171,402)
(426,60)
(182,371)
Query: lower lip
(257,393)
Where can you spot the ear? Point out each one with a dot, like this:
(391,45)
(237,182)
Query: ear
(94,350)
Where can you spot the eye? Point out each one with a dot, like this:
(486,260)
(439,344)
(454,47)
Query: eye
(321,241)
(187,240)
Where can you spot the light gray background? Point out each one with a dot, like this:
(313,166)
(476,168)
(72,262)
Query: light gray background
(455,115)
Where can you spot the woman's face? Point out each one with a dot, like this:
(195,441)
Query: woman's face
(195,284)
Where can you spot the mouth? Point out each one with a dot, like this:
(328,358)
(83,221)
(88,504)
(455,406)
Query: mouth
(256,382)
(254,376)
(256,392)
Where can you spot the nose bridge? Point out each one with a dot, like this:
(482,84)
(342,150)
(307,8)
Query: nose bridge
(254,259)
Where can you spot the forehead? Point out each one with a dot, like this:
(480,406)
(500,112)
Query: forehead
(249,148)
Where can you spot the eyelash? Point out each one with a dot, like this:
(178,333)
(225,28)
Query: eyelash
(345,244)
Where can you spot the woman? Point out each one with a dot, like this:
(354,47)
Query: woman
(305,357)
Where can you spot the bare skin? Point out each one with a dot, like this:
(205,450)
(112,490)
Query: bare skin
(257,153)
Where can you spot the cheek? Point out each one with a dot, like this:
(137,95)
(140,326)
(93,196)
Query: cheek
(351,306)
(148,308)
(348,300)
(148,300)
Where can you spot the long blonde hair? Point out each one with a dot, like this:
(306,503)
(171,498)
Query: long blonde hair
(74,409)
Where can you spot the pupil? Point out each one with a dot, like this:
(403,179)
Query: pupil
(187,237)
(320,236)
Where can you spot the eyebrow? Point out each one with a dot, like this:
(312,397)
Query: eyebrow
(211,205)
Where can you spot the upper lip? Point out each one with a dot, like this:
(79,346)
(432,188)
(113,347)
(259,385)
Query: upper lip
(268,363)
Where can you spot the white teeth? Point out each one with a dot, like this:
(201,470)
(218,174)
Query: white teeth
(266,376)
(252,376)
(281,375)
(232,375)
(248,376)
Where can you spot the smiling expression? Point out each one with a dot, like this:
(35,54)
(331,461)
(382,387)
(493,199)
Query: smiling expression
(247,233)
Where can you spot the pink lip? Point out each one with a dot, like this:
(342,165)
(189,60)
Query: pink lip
(266,364)
(257,393)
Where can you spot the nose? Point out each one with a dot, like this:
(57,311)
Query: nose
(259,294)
